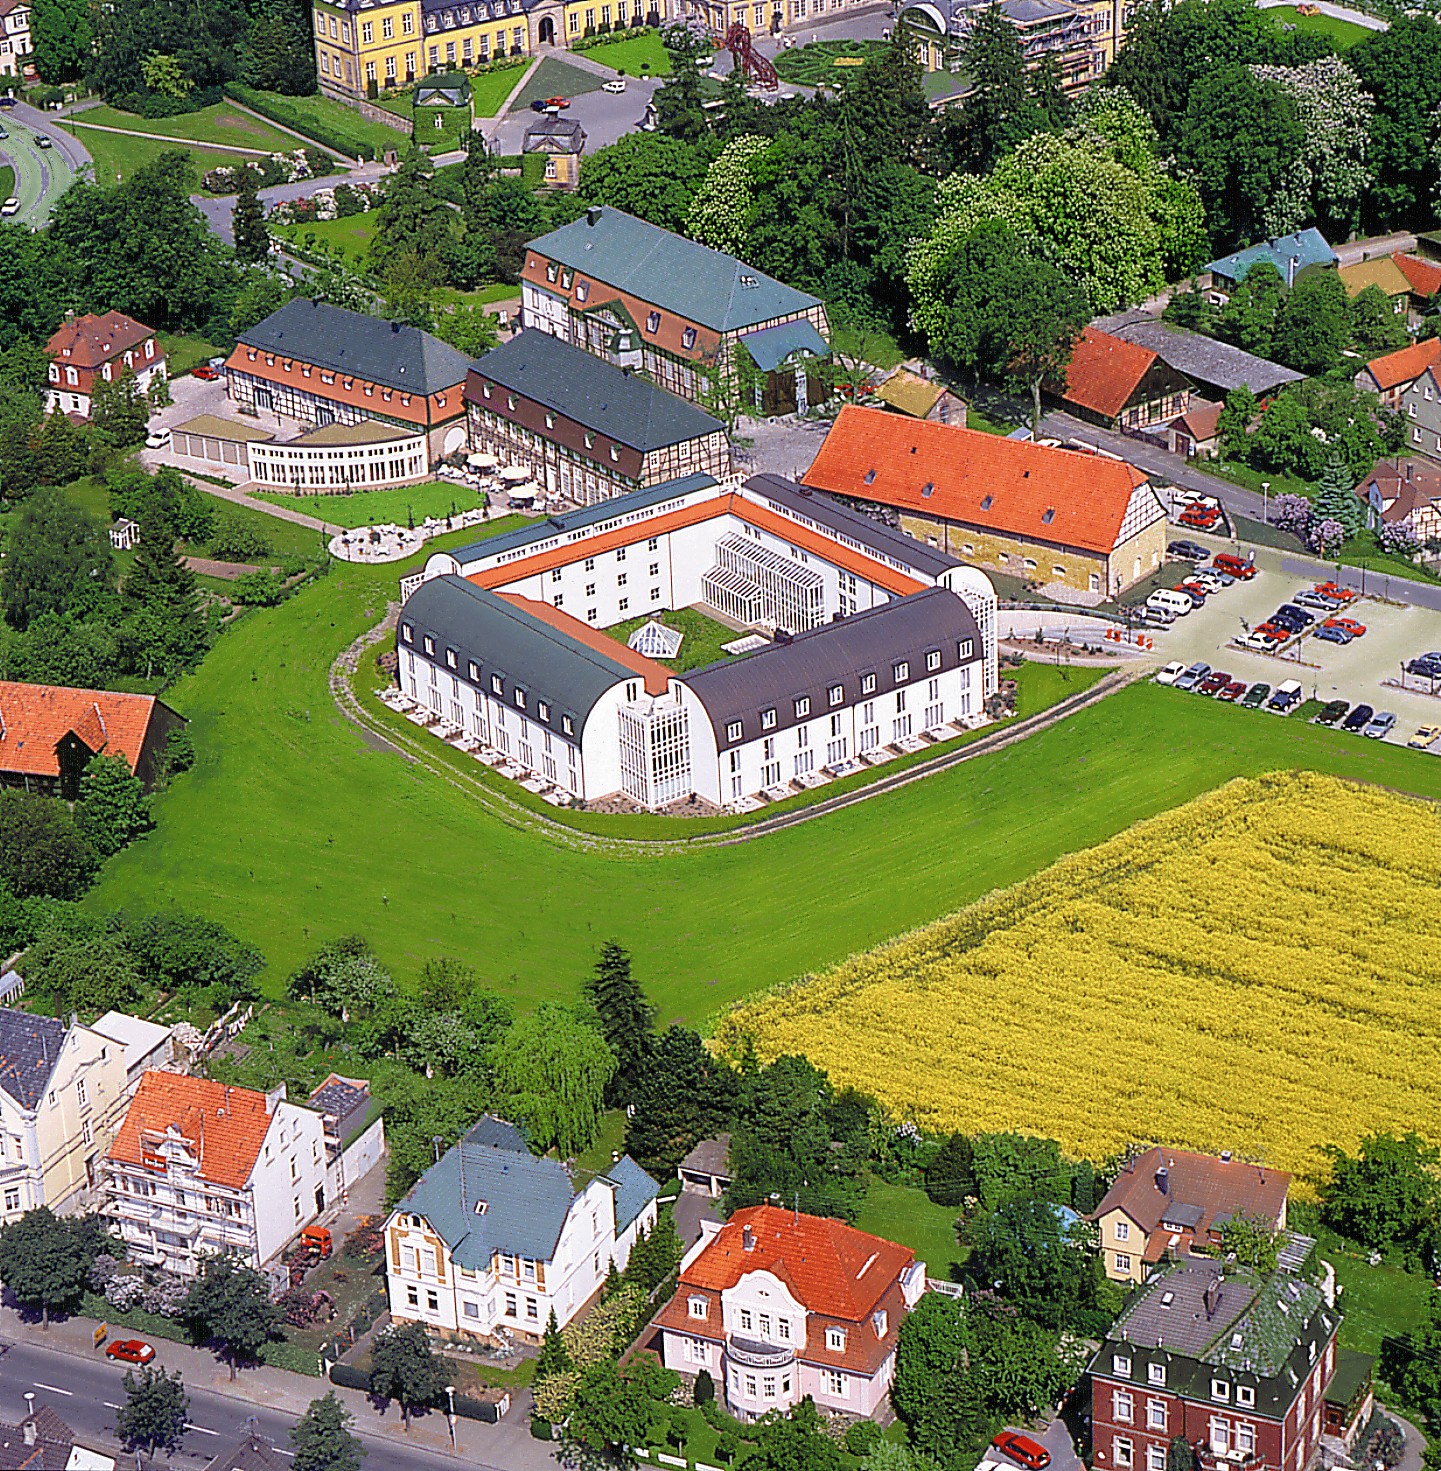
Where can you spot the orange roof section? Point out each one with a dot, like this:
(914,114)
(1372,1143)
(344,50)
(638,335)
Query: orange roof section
(1406,364)
(829,1267)
(1424,275)
(96,340)
(980,480)
(35,718)
(225,1126)
(657,676)
(1105,371)
(873,570)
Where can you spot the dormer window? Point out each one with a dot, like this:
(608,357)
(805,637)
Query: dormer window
(567,725)
(550,421)
(450,657)
(869,477)
(836,1340)
(551,271)
(582,290)
(933,661)
(1048,515)
(407,633)
(881,1322)
(1156,1373)
(590,441)
(1121,1364)
(542,711)
(928,490)
(429,644)
(986,503)
(687,338)
(698,1307)
(836,694)
(480,1207)
(1245,1395)
(497,685)
(733,731)
(485,390)
(901,672)
(868,684)
(768,719)
(652,323)
(510,402)
(803,707)
(1220,1390)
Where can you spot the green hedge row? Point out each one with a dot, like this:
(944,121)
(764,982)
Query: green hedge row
(349,1377)
(353,144)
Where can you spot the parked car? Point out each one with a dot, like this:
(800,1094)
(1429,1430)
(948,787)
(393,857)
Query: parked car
(1428,665)
(1189,678)
(1349,624)
(1307,599)
(1358,718)
(617,84)
(1214,581)
(1200,518)
(1329,633)
(1380,725)
(1335,590)
(3,135)
(9,100)
(557,102)
(1275,633)
(1195,498)
(1021,1448)
(131,1350)
(157,438)
(1290,613)
(1192,551)
(1233,691)
(205,373)
(1285,697)
(539,105)
(1425,736)
(1213,683)
(1150,617)
(10,207)
(1197,592)
(1256,696)
(42,140)
(1241,567)
(1259,642)
(1331,712)
(1170,673)
(1168,600)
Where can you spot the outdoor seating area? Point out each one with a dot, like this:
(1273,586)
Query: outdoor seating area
(374,545)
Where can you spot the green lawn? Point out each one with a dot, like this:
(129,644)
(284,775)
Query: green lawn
(556,78)
(1343,33)
(703,637)
(222,123)
(349,238)
(118,155)
(975,419)
(908,1215)
(825,62)
(637,56)
(371,507)
(871,345)
(7,181)
(293,828)
(184,353)
(488,90)
(496,291)
(328,121)
(286,538)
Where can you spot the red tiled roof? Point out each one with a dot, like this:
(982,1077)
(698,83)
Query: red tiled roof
(225,1126)
(1424,275)
(1214,1186)
(829,1267)
(1009,486)
(1201,420)
(35,718)
(1105,371)
(657,676)
(1405,365)
(1404,485)
(95,340)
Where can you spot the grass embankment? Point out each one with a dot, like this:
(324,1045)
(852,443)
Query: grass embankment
(222,124)
(1343,34)
(377,507)
(7,181)
(329,122)
(636,56)
(119,155)
(349,238)
(293,828)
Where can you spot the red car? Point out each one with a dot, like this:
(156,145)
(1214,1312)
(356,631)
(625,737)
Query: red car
(1198,590)
(132,1350)
(557,101)
(1213,684)
(1233,691)
(1021,1448)
(1200,518)
(1273,631)
(1336,591)
(1348,624)
(1234,566)
(205,373)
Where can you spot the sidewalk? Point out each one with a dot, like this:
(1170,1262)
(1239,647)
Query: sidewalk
(508,1445)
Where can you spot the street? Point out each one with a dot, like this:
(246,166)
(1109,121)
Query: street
(42,175)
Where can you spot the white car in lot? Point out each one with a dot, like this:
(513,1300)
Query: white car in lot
(10,207)
(157,439)
(1171,672)
(616,85)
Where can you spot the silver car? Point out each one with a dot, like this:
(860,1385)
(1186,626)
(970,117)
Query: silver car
(1380,725)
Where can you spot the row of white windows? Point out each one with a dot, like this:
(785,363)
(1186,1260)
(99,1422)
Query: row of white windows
(1156,1374)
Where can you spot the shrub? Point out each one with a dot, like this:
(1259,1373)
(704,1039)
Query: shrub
(237,540)
(347,1376)
(258,590)
(540,1429)
(704,1389)
(861,1437)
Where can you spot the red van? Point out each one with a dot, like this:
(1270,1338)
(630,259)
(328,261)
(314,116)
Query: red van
(1235,566)
(1022,1448)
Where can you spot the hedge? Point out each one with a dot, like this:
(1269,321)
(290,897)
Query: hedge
(279,110)
(477,1409)
(349,1377)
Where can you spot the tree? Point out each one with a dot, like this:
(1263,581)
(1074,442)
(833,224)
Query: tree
(1000,111)
(1180,1455)
(1314,326)
(1386,1194)
(1042,331)
(155,1411)
(554,1357)
(1028,1255)
(551,1070)
(656,1254)
(113,809)
(794,1442)
(627,1020)
(649,175)
(61,450)
(468,329)
(685,1094)
(890,1455)
(412,220)
(727,203)
(231,1304)
(41,852)
(252,238)
(43,1262)
(161,586)
(1400,68)
(61,39)
(1250,315)
(679,113)
(277,55)
(1336,497)
(322,1438)
(951,1175)
(1254,1244)
(58,560)
(84,973)
(406,1369)
(1376,326)
(612,1410)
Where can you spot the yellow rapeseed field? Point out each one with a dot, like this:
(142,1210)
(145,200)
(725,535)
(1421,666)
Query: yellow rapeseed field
(1258,970)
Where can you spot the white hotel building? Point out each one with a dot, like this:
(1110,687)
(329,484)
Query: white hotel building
(879,639)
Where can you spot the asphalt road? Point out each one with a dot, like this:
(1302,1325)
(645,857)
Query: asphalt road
(42,175)
(86,1392)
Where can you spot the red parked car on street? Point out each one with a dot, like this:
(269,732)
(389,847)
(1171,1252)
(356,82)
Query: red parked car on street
(1200,518)
(1335,591)
(131,1350)
(205,373)
(1349,625)
(1021,1448)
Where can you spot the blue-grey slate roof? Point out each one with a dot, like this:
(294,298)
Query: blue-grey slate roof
(697,283)
(29,1046)
(634,1190)
(771,346)
(498,1134)
(592,392)
(388,353)
(1304,248)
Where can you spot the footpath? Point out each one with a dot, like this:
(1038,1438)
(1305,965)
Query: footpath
(509,1444)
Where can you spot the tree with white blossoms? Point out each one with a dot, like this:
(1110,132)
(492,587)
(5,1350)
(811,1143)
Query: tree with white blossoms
(725,205)
(1331,174)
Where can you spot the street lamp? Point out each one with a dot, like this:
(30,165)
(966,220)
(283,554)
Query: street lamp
(1265,496)
(450,1412)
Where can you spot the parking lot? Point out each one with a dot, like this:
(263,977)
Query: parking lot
(1351,672)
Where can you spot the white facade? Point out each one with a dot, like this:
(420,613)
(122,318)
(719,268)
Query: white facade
(71,387)
(319,468)
(15,43)
(49,1148)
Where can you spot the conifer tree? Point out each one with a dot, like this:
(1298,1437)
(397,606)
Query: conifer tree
(627,1019)
(252,239)
(1336,498)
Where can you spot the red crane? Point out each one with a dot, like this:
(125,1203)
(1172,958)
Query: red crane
(744,55)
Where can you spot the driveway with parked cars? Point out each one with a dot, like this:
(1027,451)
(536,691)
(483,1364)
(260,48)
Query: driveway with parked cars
(1352,671)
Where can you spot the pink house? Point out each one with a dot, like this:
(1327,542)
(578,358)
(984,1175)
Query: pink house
(778,1306)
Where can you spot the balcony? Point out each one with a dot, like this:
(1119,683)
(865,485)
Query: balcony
(759,1355)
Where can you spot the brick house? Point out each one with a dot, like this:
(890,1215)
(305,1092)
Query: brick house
(1119,384)
(1085,523)
(1404,492)
(1166,1202)
(84,351)
(776,1306)
(1235,1365)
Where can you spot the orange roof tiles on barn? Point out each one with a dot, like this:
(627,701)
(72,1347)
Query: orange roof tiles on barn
(1424,275)
(656,676)
(91,341)
(225,1126)
(34,718)
(1405,365)
(829,1267)
(1005,485)
(1105,371)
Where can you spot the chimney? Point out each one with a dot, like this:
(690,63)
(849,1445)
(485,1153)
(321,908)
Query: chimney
(1292,261)
(1163,1180)
(29,1428)
(1410,468)
(748,1238)
(1212,1297)
(276,1095)
(1225,1156)
(592,215)
(395,327)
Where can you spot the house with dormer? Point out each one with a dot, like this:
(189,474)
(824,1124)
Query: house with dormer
(491,1239)
(85,351)
(776,1305)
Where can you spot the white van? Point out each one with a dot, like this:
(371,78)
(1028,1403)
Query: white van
(1170,601)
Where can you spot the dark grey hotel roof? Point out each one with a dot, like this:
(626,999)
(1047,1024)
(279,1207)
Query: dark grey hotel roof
(838,653)
(389,353)
(501,639)
(29,1046)
(871,534)
(594,393)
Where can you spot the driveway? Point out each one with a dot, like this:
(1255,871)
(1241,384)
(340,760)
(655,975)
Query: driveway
(219,208)
(606,116)
(42,175)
